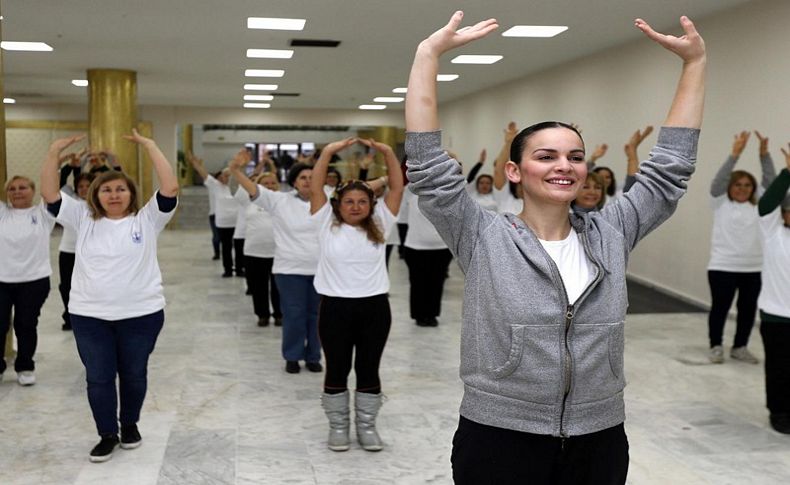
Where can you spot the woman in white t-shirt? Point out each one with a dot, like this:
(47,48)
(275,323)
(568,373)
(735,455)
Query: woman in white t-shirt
(24,271)
(736,255)
(353,283)
(591,196)
(117,301)
(509,196)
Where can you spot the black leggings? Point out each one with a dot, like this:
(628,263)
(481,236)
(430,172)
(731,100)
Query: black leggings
(348,323)
(26,299)
(776,339)
(226,246)
(238,248)
(66,268)
(427,272)
(259,277)
(723,285)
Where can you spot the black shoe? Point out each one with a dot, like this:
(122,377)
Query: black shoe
(103,451)
(227,274)
(215,258)
(781,422)
(292,367)
(263,322)
(278,322)
(130,437)
(66,327)
(241,273)
(314,366)
(427,322)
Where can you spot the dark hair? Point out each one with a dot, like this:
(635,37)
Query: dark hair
(97,211)
(336,172)
(83,176)
(296,169)
(484,176)
(735,176)
(520,141)
(368,224)
(613,186)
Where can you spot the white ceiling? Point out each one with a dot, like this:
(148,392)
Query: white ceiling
(192,52)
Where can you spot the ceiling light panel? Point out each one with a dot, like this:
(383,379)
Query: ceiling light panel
(258,97)
(9,101)
(264,73)
(476,59)
(257,105)
(400,90)
(388,99)
(275,23)
(8,45)
(80,83)
(534,30)
(260,87)
(372,106)
(446,77)
(270,53)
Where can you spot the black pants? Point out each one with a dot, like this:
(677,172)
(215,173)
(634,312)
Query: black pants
(348,326)
(387,253)
(402,230)
(723,285)
(238,248)
(427,272)
(26,299)
(214,234)
(259,279)
(66,268)
(226,246)
(776,339)
(484,455)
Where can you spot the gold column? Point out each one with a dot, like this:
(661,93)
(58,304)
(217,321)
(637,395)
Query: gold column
(112,109)
(146,180)
(8,338)
(389,136)
(186,174)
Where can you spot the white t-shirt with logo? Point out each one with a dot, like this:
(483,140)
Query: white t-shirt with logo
(575,269)
(259,242)
(225,206)
(350,265)
(24,243)
(242,199)
(116,272)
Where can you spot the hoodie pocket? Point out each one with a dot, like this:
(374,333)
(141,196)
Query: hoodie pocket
(616,348)
(597,361)
(514,356)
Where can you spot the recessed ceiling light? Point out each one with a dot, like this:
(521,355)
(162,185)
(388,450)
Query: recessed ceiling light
(9,100)
(258,97)
(8,45)
(260,87)
(372,106)
(79,82)
(388,99)
(270,53)
(446,77)
(264,73)
(534,30)
(400,90)
(275,24)
(476,59)
(257,105)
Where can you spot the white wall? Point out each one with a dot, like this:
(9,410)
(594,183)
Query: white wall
(613,93)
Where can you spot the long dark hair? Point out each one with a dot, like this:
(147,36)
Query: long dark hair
(372,229)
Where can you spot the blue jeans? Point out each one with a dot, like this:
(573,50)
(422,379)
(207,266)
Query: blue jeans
(116,348)
(299,304)
(214,235)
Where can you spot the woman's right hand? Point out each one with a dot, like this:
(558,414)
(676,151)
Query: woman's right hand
(450,36)
(787,156)
(240,160)
(740,143)
(61,144)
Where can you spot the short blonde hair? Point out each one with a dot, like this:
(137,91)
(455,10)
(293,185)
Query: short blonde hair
(20,177)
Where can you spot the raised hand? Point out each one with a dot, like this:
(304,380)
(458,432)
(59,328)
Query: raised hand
(690,47)
(510,132)
(377,145)
(339,145)
(740,143)
(240,160)
(787,155)
(763,143)
(482,158)
(61,144)
(599,152)
(450,36)
(139,139)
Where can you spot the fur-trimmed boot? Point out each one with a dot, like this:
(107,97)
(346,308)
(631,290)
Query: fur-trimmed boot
(336,409)
(366,408)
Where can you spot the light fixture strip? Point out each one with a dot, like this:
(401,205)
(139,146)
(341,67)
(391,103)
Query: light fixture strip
(275,23)
(264,73)
(258,97)
(9,45)
(372,106)
(80,83)
(257,105)
(9,101)
(270,53)
(388,99)
(260,87)
(400,90)
(476,59)
(446,77)
(534,30)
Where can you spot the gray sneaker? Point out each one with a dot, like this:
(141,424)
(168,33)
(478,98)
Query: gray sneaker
(743,354)
(716,355)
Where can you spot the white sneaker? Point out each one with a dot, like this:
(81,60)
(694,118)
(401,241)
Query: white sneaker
(716,355)
(743,354)
(26,378)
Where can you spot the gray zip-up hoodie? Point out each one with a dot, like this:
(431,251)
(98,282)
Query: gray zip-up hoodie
(530,361)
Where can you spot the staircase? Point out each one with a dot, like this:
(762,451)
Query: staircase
(192,208)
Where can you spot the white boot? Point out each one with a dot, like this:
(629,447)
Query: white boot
(336,409)
(366,407)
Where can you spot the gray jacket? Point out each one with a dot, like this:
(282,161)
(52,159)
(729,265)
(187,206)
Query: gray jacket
(530,361)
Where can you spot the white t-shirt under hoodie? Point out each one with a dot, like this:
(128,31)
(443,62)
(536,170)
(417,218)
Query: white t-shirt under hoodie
(571,260)
(350,265)
(421,235)
(735,244)
(24,243)
(775,292)
(116,272)
(225,206)
(295,237)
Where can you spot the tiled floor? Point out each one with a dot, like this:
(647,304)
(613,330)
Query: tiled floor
(220,409)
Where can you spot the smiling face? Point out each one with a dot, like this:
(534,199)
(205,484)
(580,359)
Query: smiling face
(741,189)
(591,192)
(354,206)
(115,198)
(20,193)
(552,167)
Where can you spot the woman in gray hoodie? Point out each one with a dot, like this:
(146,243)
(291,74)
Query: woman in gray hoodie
(545,295)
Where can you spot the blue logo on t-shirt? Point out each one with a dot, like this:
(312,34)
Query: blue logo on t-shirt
(137,237)
(33,219)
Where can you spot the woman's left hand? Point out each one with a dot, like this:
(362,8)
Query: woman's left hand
(450,36)
(787,155)
(689,47)
(139,139)
(377,145)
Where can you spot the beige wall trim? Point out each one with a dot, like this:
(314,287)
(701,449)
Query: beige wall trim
(48,125)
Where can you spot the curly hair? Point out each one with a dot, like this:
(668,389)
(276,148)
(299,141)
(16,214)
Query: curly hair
(368,224)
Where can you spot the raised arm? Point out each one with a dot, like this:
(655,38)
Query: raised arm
(687,106)
(236,167)
(718,185)
(631,148)
(168,183)
(50,177)
(777,190)
(504,155)
(318,178)
(394,174)
(197,164)
(597,154)
(766,162)
(470,177)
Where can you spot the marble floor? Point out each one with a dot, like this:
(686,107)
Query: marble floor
(220,409)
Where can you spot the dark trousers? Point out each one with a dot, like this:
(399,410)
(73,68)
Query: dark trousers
(427,272)
(214,234)
(238,248)
(110,349)
(486,455)
(66,268)
(226,246)
(776,340)
(723,285)
(259,279)
(299,303)
(26,300)
(387,253)
(402,230)
(355,327)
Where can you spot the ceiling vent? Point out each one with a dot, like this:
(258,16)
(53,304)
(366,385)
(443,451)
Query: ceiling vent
(314,43)
(290,95)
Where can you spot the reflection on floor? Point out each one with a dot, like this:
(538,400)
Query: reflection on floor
(220,409)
